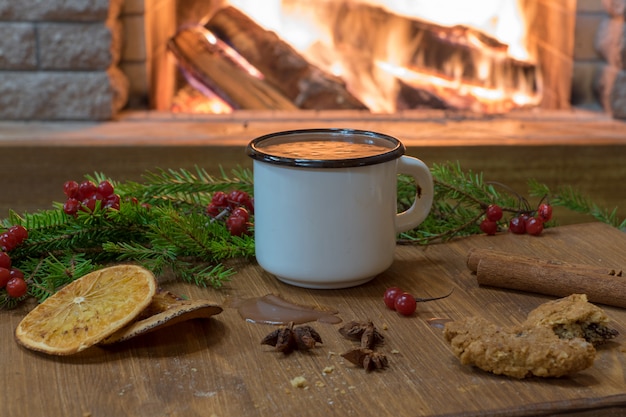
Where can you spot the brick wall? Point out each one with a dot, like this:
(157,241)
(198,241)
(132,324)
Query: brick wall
(59,60)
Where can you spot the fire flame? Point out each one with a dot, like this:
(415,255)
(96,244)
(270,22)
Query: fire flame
(375,74)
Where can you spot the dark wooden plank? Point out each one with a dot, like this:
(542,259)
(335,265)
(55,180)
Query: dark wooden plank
(218,366)
(33,175)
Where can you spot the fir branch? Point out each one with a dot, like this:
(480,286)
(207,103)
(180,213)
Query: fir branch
(42,219)
(124,251)
(460,200)
(162,224)
(204,275)
(85,234)
(574,200)
(51,273)
(185,187)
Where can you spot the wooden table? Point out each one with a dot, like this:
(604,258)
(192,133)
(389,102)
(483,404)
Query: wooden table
(218,367)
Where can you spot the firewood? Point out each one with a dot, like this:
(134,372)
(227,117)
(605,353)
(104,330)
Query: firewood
(306,85)
(457,52)
(213,64)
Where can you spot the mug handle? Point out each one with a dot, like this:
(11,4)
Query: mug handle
(423,199)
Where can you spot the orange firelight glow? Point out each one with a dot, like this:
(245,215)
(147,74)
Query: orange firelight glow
(373,81)
(392,55)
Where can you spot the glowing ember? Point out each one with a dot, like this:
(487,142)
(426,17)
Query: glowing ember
(192,100)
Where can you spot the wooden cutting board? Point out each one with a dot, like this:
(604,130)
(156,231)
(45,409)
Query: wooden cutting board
(218,367)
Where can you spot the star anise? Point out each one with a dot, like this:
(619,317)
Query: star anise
(366,358)
(365,332)
(290,338)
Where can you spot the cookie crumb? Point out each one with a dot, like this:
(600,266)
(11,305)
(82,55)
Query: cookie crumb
(299,382)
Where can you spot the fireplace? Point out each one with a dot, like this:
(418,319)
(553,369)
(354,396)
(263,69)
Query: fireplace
(390,57)
(90,60)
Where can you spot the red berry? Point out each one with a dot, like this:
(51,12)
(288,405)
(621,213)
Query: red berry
(494,212)
(16,287)
(219,199)
(544,212)
(390,296)
(86,189)
(16,273)
(19,232)
(213,210)
(112,201)
(405,304)
(105,188)
(489,227)
(8,242)
(534,226)
(89,203)
(240,198)
(236,225)
(517,225)
(70,188)
(240,212)
(5,260)
(71,206)
(5,276)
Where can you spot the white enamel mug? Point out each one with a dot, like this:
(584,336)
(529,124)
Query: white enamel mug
(332,222)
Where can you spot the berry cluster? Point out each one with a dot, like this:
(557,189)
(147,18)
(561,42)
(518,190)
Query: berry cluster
(12,278)
(531,222)
(493,214)
(84,196)
(400,301)
(13,237)
(235,207)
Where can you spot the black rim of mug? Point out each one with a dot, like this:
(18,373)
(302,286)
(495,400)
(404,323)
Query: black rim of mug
(396,150)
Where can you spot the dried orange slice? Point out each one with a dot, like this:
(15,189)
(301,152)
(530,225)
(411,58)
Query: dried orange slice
(87,310)
(166,309)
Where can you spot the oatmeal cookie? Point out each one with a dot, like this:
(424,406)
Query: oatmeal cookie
(557,339)
(517,352)
(571,317)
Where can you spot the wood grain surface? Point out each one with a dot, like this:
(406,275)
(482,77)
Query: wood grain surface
(218,367)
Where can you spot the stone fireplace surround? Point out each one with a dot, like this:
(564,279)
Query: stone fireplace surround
(59,60)
(90,59)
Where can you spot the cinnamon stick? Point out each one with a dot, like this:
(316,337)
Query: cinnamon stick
(475,255)
(498,269)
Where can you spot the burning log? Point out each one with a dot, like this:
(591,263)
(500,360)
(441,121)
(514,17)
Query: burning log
(453,63)
(415,98)
(457,52)
(305,84)
(210,62)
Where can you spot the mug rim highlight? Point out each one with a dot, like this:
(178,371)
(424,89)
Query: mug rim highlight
(396,150)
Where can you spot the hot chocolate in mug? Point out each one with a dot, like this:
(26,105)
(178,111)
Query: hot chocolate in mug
(325,204)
